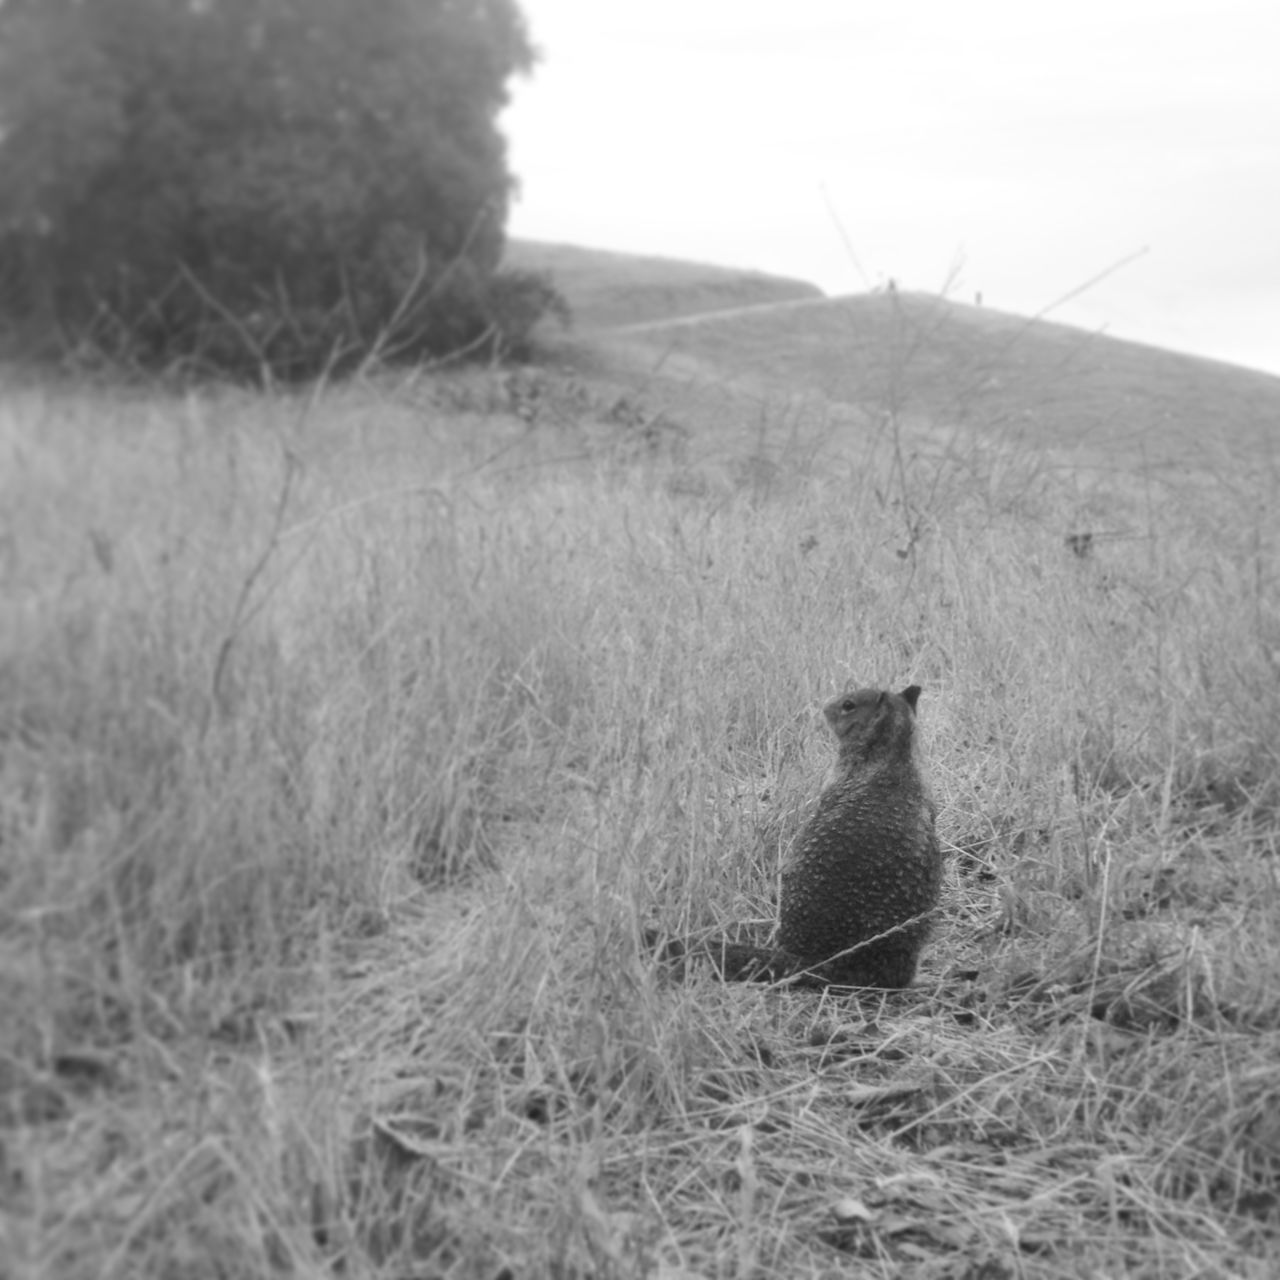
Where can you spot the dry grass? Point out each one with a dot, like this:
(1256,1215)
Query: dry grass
(347,746)
(1023,381)
(607,289)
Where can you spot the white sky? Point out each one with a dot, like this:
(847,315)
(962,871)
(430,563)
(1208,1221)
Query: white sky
(1013,147)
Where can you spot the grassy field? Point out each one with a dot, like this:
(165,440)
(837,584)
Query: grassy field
(349,741)
(607,289)
(1023,382)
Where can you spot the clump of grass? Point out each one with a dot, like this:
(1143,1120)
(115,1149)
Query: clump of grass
(337,793)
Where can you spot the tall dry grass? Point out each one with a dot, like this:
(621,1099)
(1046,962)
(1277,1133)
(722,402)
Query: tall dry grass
(347,745)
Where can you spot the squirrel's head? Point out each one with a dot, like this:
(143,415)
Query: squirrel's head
(863,719)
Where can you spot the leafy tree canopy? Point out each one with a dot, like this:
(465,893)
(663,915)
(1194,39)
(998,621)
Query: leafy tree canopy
(278,183)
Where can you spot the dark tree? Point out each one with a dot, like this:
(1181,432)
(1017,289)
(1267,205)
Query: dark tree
(280,184)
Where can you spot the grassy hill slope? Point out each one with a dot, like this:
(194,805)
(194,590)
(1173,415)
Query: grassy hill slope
(605,289)
(955,365)
(350,740)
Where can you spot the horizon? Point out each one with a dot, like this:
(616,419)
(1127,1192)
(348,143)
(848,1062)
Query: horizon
(1124,187)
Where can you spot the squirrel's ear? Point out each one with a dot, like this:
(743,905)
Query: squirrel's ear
(910,695)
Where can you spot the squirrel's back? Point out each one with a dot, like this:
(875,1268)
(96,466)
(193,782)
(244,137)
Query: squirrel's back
(867,863)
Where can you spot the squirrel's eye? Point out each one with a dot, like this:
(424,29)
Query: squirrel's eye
(847,705)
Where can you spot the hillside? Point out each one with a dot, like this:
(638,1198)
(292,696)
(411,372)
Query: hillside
(604,289)
(955,365)
(932,362)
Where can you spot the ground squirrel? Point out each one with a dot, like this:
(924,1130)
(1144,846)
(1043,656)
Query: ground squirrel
(865,866)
